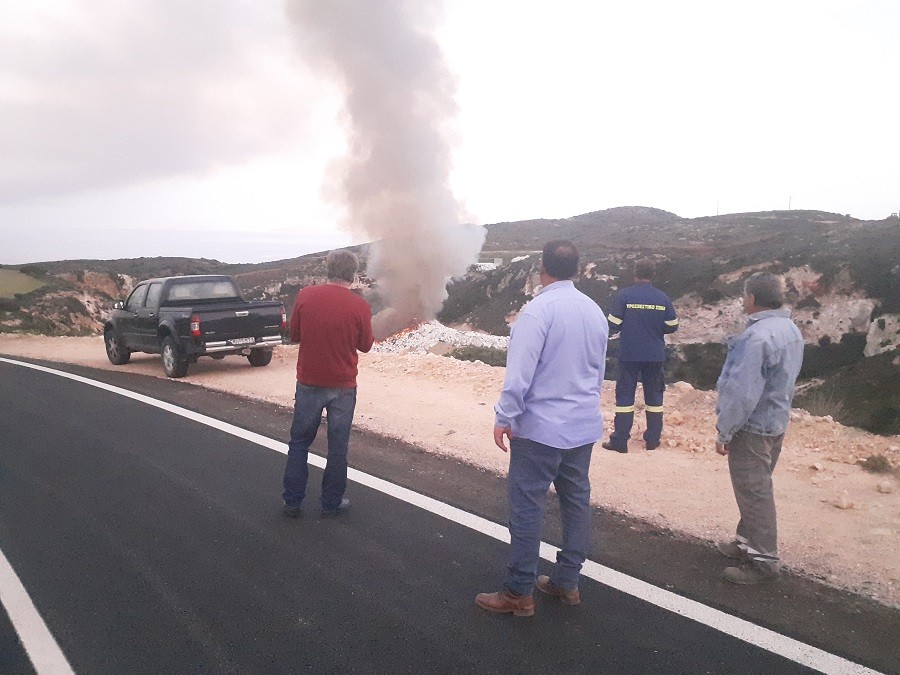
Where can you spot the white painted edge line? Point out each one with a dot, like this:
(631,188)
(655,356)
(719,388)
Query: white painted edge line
(723,622)
(39,643)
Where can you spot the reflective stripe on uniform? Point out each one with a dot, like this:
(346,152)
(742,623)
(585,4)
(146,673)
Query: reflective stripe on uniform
(624,409)
(616,320)
(653,408)
(673,322)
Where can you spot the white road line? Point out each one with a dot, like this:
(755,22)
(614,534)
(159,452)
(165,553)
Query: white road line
(723,622)
(39,643)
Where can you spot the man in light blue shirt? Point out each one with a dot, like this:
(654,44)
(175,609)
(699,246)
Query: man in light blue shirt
(550,412)
(756,389)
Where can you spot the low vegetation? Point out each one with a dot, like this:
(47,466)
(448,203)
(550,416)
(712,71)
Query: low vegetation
(877,464)
(865,394)
(823,403)
(492,356)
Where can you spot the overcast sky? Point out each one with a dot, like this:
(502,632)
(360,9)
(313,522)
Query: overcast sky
(164,127)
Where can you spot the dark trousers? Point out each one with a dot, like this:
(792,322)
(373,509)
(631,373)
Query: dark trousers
(650,375)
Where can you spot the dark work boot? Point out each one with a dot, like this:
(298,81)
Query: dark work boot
(654,429)
(622,424)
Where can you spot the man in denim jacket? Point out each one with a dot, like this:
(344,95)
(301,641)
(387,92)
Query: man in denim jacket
(755,389)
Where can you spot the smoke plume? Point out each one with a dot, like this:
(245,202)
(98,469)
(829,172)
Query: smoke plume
(394,180)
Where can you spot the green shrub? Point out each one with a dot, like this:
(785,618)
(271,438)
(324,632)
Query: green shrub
(876,464)
(492,356)
(824,404)
(885,420)
(33,271)
(75,306)
(39,325)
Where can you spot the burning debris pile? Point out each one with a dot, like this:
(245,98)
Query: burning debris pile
(434,336)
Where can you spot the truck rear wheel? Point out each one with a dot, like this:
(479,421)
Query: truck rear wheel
(174,362)
(260,357)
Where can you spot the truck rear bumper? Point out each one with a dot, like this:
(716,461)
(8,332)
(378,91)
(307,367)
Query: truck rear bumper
(229,345)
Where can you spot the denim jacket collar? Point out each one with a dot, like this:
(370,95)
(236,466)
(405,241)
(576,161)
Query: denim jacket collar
(765,314)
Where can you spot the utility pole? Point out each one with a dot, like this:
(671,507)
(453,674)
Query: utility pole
(789,203)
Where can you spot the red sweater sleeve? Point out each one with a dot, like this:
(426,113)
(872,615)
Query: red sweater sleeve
(366,340)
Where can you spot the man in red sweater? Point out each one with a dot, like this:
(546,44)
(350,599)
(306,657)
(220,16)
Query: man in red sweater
(331,323)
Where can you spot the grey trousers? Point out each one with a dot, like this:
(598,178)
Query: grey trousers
(751,460)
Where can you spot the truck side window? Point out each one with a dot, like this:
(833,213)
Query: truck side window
(153,295)
(136,299)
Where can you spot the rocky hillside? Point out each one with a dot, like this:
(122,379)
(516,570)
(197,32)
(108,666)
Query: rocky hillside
(843,280)
(842,277)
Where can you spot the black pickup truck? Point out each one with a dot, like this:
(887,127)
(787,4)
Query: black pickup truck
(186,317)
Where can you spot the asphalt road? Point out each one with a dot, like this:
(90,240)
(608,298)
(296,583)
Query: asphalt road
(152,543)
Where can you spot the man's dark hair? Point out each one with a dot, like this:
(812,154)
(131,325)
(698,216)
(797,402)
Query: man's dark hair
(560,259)
(644,269)
(342,265)
(766,290)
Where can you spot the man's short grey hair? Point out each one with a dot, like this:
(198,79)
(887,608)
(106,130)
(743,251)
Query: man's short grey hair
(766,289)
(342,265)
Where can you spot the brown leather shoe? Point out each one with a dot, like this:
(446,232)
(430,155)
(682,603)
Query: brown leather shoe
(572,597)
(504,602)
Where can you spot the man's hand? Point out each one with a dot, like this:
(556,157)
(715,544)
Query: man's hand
(499,433)
(722,448)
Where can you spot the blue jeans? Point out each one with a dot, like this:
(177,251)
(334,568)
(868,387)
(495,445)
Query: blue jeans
(308,405)
(532,468)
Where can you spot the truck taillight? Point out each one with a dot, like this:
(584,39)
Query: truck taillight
(283,321)
(195,326)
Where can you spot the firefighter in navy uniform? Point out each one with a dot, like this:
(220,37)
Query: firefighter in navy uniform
(643,315)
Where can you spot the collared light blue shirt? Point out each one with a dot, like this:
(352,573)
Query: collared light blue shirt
(756,386)
(554,369)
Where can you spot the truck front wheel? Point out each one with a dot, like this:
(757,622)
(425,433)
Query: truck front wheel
(174,362)
(260,357)
(117,352)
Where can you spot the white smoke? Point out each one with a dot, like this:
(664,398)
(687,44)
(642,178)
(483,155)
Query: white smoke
(394,181)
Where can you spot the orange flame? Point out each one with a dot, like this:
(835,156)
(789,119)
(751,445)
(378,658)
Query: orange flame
(410,327)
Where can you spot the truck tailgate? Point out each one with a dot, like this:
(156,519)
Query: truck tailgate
(240,324)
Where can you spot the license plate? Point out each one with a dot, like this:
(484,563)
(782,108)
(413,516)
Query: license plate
(243,341)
